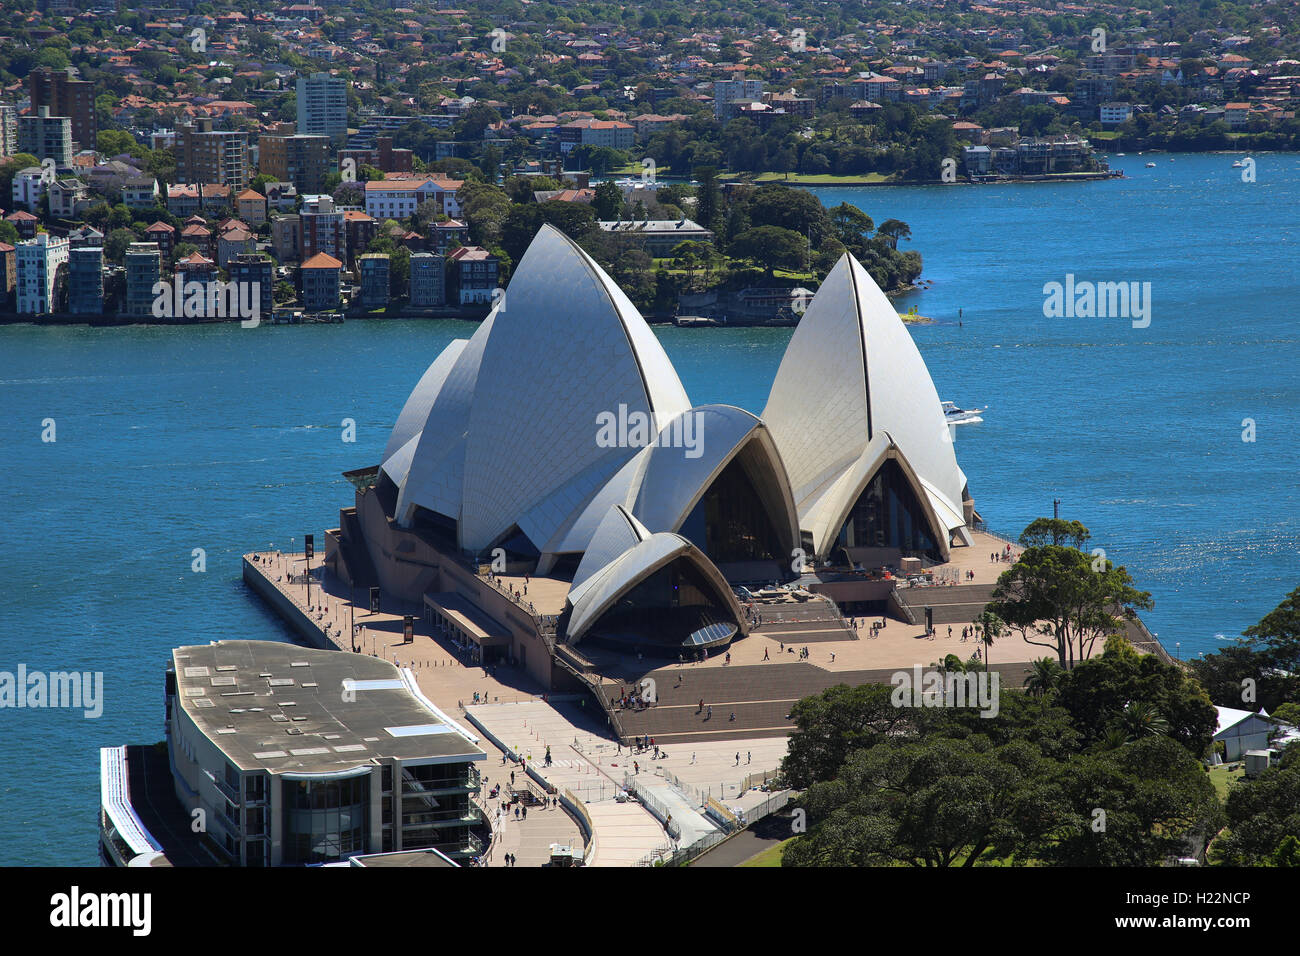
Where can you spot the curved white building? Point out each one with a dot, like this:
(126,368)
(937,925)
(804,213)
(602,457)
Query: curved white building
(859,426)
(559,437)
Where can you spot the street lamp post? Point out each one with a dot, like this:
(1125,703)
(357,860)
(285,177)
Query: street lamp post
(309,549)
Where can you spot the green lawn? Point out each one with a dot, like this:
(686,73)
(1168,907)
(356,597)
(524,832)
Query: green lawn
(1224,776)
(821,178)
(769,857)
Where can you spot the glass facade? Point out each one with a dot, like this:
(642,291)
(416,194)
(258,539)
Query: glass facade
(436,807)
(325,820)
(662,612)
(888,515)
(730,522)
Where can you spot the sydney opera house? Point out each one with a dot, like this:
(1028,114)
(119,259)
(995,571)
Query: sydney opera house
(558,448)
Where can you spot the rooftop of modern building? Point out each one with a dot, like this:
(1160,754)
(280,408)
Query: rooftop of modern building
(288,709)
(404,859)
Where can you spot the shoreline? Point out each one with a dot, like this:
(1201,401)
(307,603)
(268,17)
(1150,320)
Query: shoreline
(810,183)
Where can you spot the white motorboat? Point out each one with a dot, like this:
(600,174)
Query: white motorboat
(961,416)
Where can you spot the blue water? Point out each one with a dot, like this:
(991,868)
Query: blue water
(226,439)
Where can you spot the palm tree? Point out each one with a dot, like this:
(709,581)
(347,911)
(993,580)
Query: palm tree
(1044,677)
(1142,719)
(1113,738)
(990,629)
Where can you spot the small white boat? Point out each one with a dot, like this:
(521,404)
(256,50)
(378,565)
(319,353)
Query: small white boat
(1119,154)
(1151,165)
(961,416)
(1238,165)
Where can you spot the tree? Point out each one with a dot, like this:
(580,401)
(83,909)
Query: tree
(1288,713)
(608,201)
(1044,677)
(1262,668)
(894,230)
(115,244)
(933,803)
(1141,695)
(1043,531)
(793,209)
(1262,813)
(1078,598)
(831,725)
(852,226)
(1137,805)
(11,167)
(771,247)
(990,629)
(708,203)
(575,220)
(490,163)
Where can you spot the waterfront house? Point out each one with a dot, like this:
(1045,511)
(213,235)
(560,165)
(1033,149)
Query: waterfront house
(320,276)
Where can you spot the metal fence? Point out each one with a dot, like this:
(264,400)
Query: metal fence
(654,805)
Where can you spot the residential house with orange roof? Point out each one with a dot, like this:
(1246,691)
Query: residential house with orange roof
(320,277)
(250,205)
(165,236)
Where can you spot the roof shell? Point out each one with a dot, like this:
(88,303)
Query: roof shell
(566,345)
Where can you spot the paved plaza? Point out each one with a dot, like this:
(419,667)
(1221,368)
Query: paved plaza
(585,760)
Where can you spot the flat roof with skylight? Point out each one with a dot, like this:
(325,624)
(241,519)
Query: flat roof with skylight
(288,709)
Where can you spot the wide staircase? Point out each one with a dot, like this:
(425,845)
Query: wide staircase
(804,623)
(760,696)
(955,604)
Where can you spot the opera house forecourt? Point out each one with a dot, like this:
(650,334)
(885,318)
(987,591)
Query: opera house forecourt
(548,488)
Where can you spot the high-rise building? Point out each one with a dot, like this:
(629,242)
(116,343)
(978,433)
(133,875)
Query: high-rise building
(323,107)
(86,280)
(428,282)
(205,155)
(46,136)
(39,260)
(257,271)
(298,158)
(8,129)
(143,269)
(68,96)
(322,230)
(374,268)
(727,93)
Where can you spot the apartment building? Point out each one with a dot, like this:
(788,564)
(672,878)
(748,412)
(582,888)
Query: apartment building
(38,261)
(207,155)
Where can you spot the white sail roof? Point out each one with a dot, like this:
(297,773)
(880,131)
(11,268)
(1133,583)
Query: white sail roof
(435,476)
(410,420)
(852,383)
(566,346)
(618,531)
(667,478)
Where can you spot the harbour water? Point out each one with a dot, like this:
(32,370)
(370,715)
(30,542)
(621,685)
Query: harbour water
(225,439)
